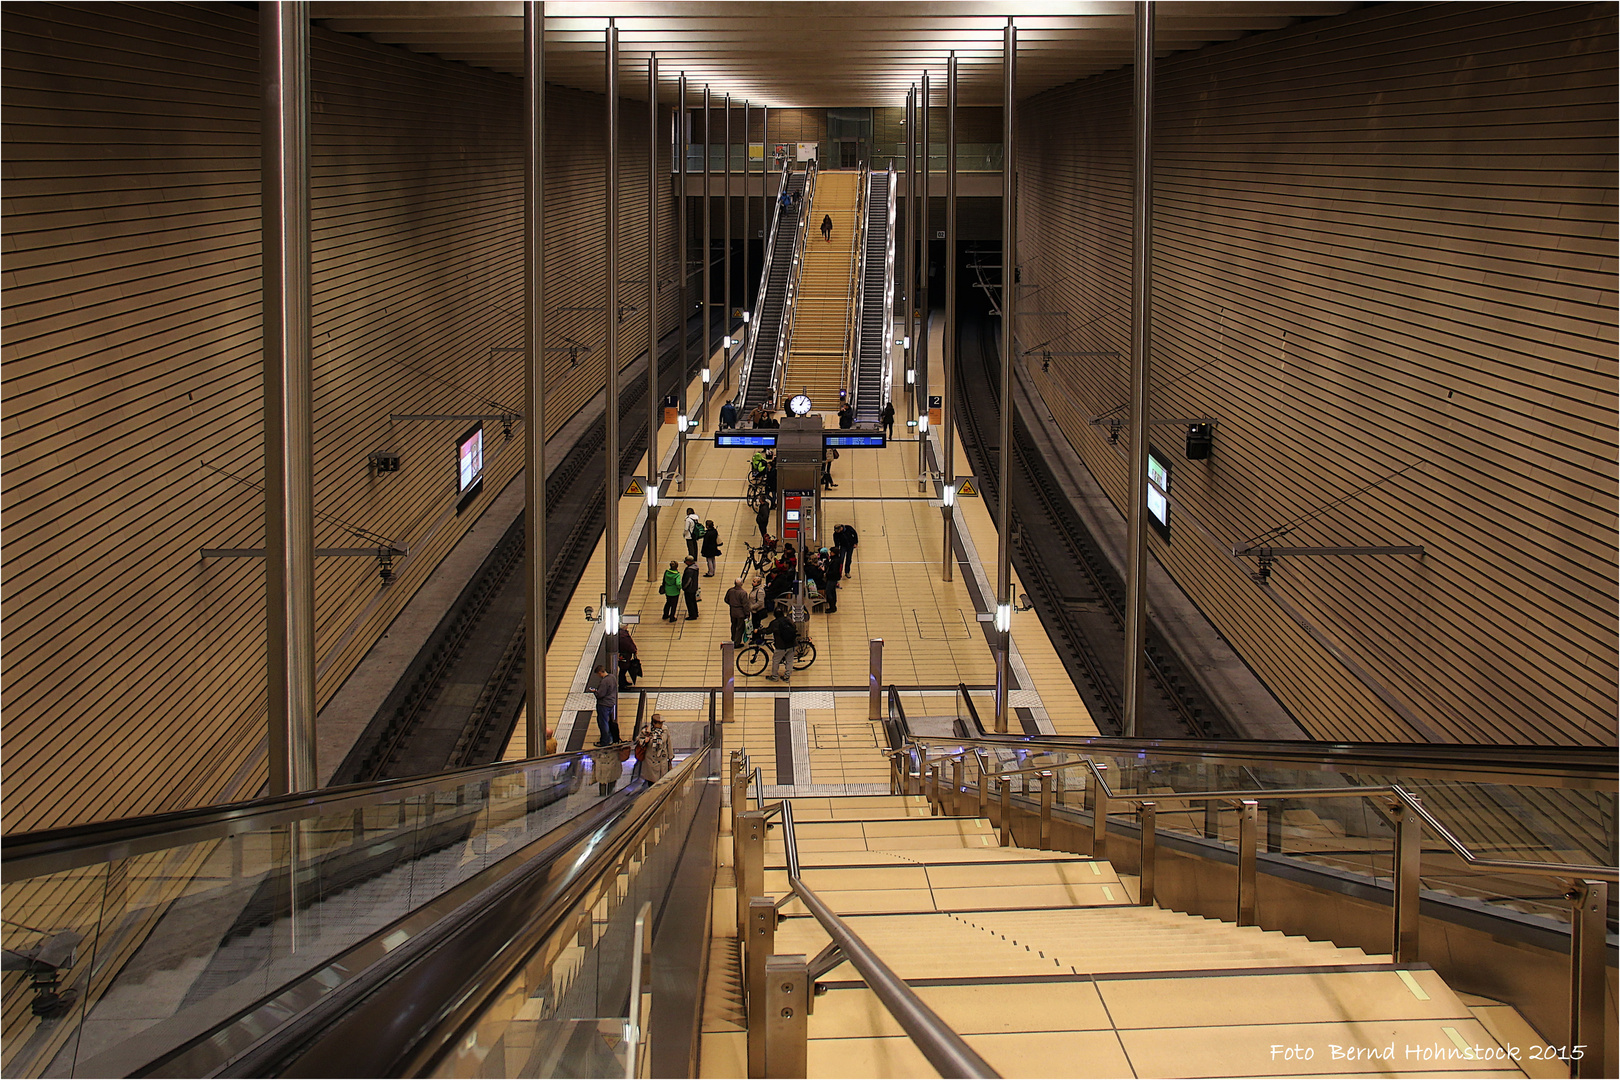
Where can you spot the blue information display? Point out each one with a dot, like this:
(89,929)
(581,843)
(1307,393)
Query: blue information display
(854,440)
(745,439)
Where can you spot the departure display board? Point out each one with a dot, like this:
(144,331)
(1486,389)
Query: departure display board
(855,440)
(734,438)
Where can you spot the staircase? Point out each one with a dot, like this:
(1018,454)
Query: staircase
(757,386)
(1046,965)
(817,349)
(871,352)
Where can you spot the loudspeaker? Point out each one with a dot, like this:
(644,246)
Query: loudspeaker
(1200,440)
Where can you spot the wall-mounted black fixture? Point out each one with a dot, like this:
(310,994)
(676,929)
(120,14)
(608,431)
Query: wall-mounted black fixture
(384,461)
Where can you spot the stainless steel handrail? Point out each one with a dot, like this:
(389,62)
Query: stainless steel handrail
(1404,798)
(51,851)
(945,1050)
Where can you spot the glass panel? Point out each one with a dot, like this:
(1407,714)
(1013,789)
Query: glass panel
(170,943)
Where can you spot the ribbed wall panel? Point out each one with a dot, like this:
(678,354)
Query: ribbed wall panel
(1384,242)
(134,676)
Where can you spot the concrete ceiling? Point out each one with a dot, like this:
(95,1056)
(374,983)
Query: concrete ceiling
(811,53)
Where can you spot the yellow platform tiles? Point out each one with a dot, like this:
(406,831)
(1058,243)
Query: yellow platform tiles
(1046,965)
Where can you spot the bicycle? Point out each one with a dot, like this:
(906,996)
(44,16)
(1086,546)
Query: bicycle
(757,559)
(753,659)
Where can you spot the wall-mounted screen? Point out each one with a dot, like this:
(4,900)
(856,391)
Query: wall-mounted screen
(1158,491)
(470,458)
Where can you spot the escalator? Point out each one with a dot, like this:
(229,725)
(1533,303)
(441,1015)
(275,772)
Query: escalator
(875,328)
(372,929)
(770,313)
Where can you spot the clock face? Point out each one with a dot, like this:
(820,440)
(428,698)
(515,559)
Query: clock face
(799,404)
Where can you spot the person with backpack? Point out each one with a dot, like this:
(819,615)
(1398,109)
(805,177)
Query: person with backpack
(711,545)
(693,532)
(671,590)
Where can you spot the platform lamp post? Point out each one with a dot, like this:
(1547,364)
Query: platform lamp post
(1141,347)
(920,341)
(534,383)
(653,403)
(610,478)
(948,346)
(685,369)
(289,489)
(725,274)
(910,290)
(1009,301)
(707,341)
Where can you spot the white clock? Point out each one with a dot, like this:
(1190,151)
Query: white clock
(799,404)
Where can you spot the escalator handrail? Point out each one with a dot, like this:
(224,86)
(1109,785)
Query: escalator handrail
(529,919)
(49,851)
(764,282)
(946,1051)
(790,310)
(1577,767)
(1404,798)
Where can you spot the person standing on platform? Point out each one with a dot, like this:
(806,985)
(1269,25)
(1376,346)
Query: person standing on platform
(832,572)
(756,602)
(692,531)
(672,590)
(762,516)
(711,546)
(629,663)
(844,540)
(887,416)
(828,456)
(784,642)
(826,227)
(690,585)
(652,751)
(739,604)
(607,707)
(728,416)
(846,416)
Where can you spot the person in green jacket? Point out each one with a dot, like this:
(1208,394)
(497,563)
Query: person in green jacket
(671,590)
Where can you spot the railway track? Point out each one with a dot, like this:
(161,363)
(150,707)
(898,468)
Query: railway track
(458,701)
(1077,594)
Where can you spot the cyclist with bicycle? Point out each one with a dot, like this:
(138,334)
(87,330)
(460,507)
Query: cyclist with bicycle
(785,639)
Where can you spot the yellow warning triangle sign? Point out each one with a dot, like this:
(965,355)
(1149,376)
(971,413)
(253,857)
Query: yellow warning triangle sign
(968,489)
(635,487)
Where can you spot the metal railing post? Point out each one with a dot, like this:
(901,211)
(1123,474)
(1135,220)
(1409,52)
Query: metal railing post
(984,791)
(1408,863)
(936,807)
(958,785)
(759,944)
(728,682)
(1004,794)
(1212,820)
(1248,843)
(1099,820)
(1147,822)
(1589,908)
(874,708)
(749,829)
(896,781)
(787,1005)
(1046,811)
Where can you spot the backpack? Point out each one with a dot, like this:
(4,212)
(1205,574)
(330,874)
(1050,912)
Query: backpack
(698,531)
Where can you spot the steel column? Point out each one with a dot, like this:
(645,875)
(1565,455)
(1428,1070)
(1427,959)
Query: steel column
(948,347)
(1248,853)
(874,705)
(728,682)
(910,291)
(289,484)
(1046,779)
(725,277)
(684,369)
(1004,797)
(654,405)
(1147,822)
(534,378)
(1141,348)
(1587,948)
(1009,315)
(747,231)
(1407,877)
(707,345)
(920,342)
(610,448)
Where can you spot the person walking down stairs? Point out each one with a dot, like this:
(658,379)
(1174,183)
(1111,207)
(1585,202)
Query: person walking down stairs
(826,227)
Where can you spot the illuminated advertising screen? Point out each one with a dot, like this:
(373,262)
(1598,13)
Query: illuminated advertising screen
(1158,491)
(469,458)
